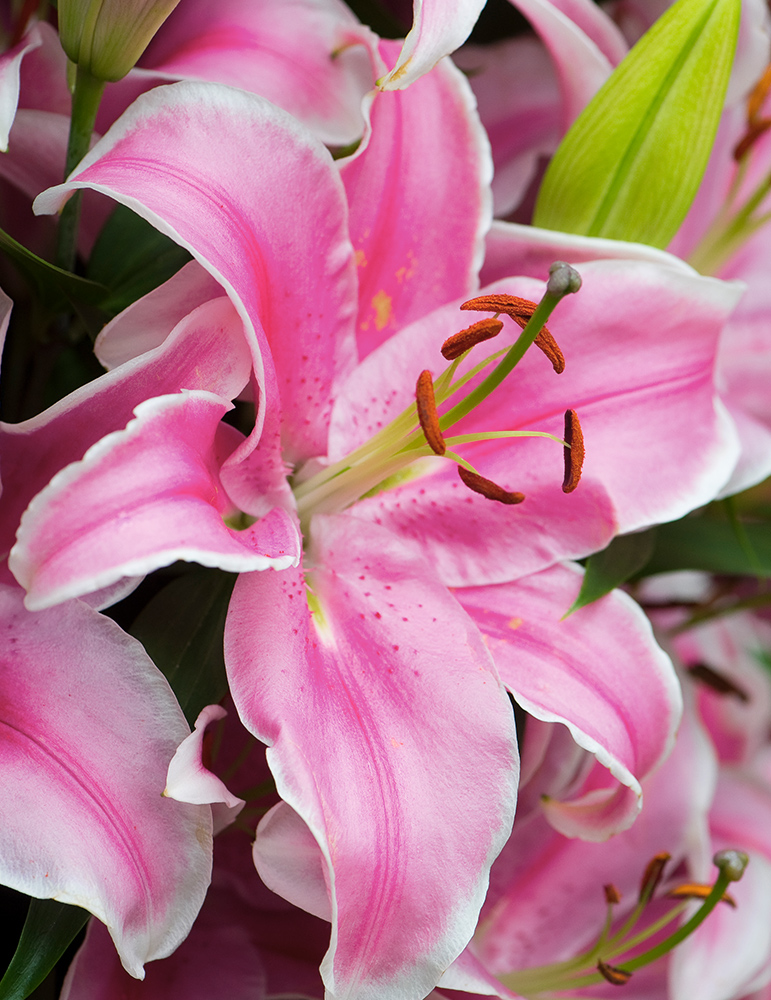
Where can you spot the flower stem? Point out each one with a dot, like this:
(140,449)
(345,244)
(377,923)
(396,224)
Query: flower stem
(85,103)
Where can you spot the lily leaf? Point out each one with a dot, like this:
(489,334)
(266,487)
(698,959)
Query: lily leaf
(630,166)
(711,545)
(132,258)
(181,628)
(54,285)
(625,556)
(48,931)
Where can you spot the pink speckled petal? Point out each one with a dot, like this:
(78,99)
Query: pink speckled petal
(402,765)
(658,441)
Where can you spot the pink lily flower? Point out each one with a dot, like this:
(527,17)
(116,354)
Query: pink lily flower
(352,681)
(91,724)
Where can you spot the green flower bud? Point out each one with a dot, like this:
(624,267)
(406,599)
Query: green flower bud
(106,37)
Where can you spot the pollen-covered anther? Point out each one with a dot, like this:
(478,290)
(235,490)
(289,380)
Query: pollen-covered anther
(716,681)
(427,413)
(520,310)
(488,488)
(652,875)
(574,452)
(459,343)
(512,305)
(696,890)
(612,895)
(614,975)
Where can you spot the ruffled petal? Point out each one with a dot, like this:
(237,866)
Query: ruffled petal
(599,671)
(89,727)
(390,735)
(140,499)
(206,351)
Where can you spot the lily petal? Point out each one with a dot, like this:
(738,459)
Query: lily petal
(399,758)
(418,190)
(270,228)
(89,728)
(140,499)
(206,351)
(439,27)
(599,671)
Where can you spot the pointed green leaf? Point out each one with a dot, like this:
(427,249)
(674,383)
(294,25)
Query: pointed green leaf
(632,162)
(48,931)
(132,258)
(54,285)
(711,545)
(625,556)
(181,628)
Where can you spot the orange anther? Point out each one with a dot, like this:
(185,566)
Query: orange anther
(488,488)
(459,343)
(614,975)
(427,414)
(574,453)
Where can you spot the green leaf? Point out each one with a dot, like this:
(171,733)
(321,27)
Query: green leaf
(53,285)
(625,556)
(181,628)
(632,162)
(132,258)
(48,931)
(711,545)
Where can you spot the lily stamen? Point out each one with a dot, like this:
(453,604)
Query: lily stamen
(652,876)
(427,413)
(598,964)
(520,310)
(614,975)
(488,488)
(477,333)
(574,452)
(696,890)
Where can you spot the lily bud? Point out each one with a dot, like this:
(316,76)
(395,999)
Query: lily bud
(107,37)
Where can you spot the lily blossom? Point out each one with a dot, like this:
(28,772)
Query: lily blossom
(350,665)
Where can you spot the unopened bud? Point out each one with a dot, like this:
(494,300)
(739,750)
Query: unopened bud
(107,37)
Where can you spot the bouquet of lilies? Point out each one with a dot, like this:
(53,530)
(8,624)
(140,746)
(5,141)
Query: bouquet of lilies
(386,416)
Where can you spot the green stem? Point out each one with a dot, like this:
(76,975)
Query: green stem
(85,104)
